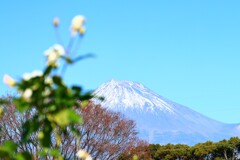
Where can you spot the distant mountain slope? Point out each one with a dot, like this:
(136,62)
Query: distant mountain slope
(160,120)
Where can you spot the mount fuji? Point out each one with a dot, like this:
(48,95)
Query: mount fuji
(160,120)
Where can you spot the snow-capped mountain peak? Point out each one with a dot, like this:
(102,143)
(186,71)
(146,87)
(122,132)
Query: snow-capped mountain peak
(158,119)
(122,94)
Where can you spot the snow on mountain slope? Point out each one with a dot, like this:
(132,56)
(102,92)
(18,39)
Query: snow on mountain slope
(160,120)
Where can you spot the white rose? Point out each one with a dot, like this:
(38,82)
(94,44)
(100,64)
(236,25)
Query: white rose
(83,154)
(27,94)
(48,80)
(36,73)
(59,49)
(28,76)
(53,53)
(77,25)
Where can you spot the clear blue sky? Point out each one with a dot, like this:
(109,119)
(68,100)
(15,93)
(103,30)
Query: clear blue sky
(186,51)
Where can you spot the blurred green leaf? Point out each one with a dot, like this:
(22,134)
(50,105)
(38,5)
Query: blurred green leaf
(58,80)
(77,89)
(21,105)
(75,130)
(46,140)
(88,55)
(47,71)
(67,59)
(8,147)
(54,152)
(23,156)
(29,127)
(67,116)
(53,103)
(86,96)
(42,153)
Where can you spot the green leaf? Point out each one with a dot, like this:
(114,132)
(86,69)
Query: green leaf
(21,105)
(81,57)
(48,70)
(77,89)
(46,139)
(52,108)
(54,152)
(67,116)
(58,80)
(23,156)
(75,131)
(42,153)
(29,127)
(67,59)
(86,96)
(8,147)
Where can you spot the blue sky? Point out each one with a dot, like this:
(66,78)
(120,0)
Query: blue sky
(186,51)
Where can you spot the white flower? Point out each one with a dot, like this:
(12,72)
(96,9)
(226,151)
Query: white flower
(56,49)
(83,154)
(77,24)
(27,94)
(52,58)
(28,76)
(48,80)
(53,53)
(37,73)
(9,80)
(59,49)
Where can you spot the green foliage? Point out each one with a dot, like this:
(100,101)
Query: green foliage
(171,151)
(225,149)
(49,99)
(8,151)
(202,150)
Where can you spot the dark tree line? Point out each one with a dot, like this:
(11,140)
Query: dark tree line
(222,150)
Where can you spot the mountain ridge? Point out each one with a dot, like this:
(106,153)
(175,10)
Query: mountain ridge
(160,120)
